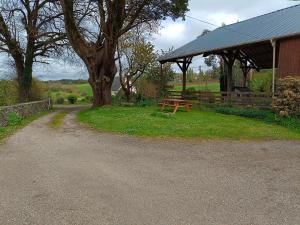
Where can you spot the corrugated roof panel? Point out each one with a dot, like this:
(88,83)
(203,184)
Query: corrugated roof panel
(281,23)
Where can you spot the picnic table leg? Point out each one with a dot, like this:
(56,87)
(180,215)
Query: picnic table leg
(162,107)
(187,108)
(175,108)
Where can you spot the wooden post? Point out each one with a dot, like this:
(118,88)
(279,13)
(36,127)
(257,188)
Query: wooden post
(229,77)
(184,74)
(161,80)
(184,67)
(229,58)
(274,65)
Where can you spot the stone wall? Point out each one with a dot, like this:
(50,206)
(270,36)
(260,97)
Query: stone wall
(24,110)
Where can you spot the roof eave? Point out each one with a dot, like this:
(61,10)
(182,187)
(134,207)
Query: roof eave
(162,61)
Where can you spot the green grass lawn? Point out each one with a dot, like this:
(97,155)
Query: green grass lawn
(215,87)
(200,124)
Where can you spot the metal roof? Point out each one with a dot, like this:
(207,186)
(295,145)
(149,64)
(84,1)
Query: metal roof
(275,25)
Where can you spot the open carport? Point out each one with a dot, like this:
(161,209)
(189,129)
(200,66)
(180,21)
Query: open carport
(268,41)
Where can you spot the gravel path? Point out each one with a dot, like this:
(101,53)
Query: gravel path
(76,176)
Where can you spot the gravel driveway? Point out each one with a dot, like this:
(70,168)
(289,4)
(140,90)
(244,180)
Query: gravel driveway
(76,176)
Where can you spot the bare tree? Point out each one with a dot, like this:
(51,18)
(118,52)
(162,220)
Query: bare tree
(135,54)
(96,44)
(30,30)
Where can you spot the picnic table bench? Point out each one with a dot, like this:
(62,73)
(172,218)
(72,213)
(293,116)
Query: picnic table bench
(175,104)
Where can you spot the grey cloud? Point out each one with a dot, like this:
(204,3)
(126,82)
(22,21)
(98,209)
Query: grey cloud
(207,10)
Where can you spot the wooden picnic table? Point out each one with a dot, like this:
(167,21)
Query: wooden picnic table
(175,104)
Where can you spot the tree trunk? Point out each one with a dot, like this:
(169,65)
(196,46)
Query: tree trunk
(25,83)
(127,94)
(102,70)
(24,72)
(101,93)
(24,78)
(128,89)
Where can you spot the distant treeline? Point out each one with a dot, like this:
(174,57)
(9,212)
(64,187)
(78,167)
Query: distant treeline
(66,81)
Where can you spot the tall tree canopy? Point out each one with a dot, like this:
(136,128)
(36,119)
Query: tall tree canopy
(29,31)
(95,38)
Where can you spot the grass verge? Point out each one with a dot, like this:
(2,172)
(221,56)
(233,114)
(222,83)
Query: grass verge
(267,116)
(200,124)
(9,130)
(58,118)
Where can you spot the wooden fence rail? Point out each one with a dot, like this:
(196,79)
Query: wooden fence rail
(261,99)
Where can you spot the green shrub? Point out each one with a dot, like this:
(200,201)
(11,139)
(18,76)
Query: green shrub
(91,99)
(261,81)
(60,100)
(72,99)
(8,92)
(37,91)
(117,99)
(287,102)
(142,101)
(69,90)
(147,102)
(268,116)
(13,119)
(291,123)
(88,99)
(146,88)
(84,94)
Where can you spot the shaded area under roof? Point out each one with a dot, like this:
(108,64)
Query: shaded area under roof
(276,25)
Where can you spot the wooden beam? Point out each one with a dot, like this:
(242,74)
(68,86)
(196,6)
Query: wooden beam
(184,66)
(179,66)
(244,56)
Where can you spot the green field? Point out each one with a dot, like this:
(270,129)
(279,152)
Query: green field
(84,88)
(212,86)
(57,90)
(199,124)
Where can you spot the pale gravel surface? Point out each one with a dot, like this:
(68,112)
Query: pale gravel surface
(76,176)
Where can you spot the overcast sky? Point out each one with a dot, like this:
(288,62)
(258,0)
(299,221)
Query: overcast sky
(174,34)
